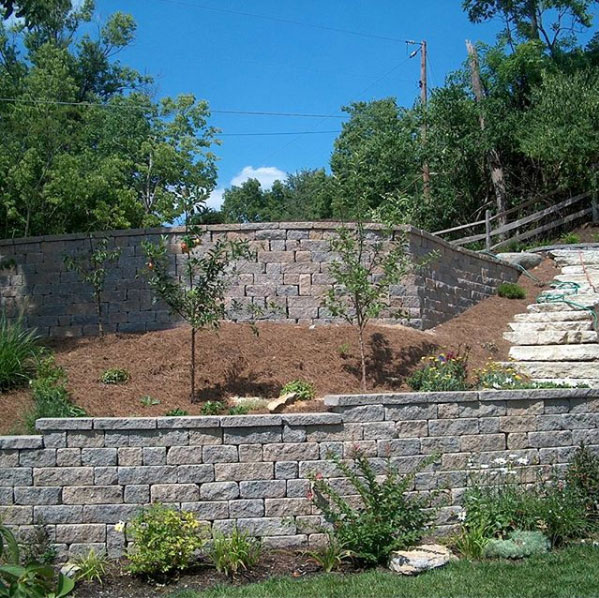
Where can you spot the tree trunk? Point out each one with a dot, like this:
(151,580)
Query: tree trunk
(362,358)
(193,365)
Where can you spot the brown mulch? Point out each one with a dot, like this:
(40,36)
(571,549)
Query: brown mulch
(275,563)
(235,362)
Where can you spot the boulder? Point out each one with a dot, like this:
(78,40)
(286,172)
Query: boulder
(526,260)
(278,404)
(421,558)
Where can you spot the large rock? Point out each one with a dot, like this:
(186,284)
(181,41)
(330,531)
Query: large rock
(526,260)
(422,558)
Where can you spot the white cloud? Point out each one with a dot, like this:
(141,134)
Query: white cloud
(267,175)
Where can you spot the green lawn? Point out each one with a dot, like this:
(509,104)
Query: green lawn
(573,572)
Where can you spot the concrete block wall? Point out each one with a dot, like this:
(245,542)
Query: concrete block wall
(80,477)
(291,271)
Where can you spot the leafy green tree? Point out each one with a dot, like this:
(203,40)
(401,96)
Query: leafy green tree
(92,268)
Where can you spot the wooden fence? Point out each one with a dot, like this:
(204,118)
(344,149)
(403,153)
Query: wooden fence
(523,228)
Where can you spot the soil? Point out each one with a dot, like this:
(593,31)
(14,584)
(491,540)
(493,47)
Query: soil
(117,584)
(235,362)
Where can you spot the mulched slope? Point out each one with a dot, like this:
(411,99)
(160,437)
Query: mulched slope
(235,362)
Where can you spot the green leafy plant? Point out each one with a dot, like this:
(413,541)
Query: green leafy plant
(511,290)
(332,555)
(91,567)
(570,239)
(38,549)
(29,581)
(50,395)
(176,412)
(363,273)
(344,349)
(212,408)
(18,351)
(239,410)
(92,268)
(199,298)
(388,518)
(230,554)
(498,376)
(444,372)
(149,401)
(518,545)
(583,475)
(304,390)
(115,376)
(165,541)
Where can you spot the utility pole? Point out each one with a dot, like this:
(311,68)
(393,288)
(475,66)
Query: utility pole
(423,49)
(493,158)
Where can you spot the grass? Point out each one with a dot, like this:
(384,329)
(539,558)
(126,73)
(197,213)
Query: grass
(572,572)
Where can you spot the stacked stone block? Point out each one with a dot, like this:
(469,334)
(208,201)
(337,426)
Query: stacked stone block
(82,476)
(290,271)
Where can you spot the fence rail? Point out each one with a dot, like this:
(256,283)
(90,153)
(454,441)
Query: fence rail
(592,208)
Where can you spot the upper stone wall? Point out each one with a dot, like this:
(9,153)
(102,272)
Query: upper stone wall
(291,271)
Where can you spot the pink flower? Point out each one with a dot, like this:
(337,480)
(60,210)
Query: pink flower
(310,495)
(318,476)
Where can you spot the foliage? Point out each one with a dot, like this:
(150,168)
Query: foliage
(511,290)
(332,555)
(115,376)
(92,268)
(517,545)
(583,476)
(369,262)
(84,145)
(570,239)
(199,297)
(304,390)
(30,581)
(176,412)
(50,395)
(38,549)
(92,566)
(239,410)
(498,376)
(231,554)
(212,408)
(149,401)
(443,372)
(18,350)
(165,541)
(388,519)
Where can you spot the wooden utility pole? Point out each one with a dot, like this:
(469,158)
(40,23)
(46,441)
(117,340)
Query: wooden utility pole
(426,173)
(493,157)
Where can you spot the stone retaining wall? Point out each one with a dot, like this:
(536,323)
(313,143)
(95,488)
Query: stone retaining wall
(81,476)
(291,271)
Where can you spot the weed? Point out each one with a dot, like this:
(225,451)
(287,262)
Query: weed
(176,412)
(18,350)
(92,567)
(148,401)
(232,553)
(511,290)
(304,390)
(115,376)
(212,408)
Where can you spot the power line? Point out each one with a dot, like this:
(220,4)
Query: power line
(132,107)
(287,21)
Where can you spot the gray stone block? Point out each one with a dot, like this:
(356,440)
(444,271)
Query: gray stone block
(219,491)
(238,472)
(85,439)
(57,514)
(101,457)
(262,489)
(207,510)
(155,455)
(303,451)
(37,457)
(92,495)
(163,474)
(261,435)
(173,493)
(20,442)
(137,494)
(195,474)
(80,533)
(220,454)
(37,496)
(63,476)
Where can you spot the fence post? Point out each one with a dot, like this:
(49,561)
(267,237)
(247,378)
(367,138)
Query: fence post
(488,229)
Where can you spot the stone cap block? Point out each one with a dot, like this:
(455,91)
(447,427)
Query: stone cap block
(312,419)
(124,423)
(21,442)
(188,422)
(64,423)
(250,421)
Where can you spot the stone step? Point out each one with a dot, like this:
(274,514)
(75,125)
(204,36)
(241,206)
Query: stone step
(545,326)
(557,353)
(564,257)
(590,382)
(560,370)
(593,277)
(550,337)
(593,270)
(554,316)
(586,300)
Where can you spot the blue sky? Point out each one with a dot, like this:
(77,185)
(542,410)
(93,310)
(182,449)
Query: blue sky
(241,62)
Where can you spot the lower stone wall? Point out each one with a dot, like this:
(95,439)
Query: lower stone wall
(81,476)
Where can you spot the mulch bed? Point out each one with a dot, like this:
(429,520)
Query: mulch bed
(275,563)
(235,362)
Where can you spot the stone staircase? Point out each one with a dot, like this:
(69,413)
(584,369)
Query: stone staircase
(558,342)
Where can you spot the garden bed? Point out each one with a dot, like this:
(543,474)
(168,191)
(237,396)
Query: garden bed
(235,362)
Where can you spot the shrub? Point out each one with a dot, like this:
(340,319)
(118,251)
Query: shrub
(304,390)
(495,375)
(212,408)
(176,412)
(583,475)
(92,566)
(511,290)
(232,553)
(387,520)
(239,410)
(115,376)
(165,541)
(30,581)
(444,372)
(38,549)
(18,350)
(518,545)
(50,395)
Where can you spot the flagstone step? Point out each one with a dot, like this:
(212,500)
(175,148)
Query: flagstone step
(551,337)
(545,326)
(557,370)
(584,300)
(562,315)
(589,352)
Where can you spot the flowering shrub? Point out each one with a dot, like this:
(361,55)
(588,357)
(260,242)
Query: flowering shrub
(443,372)
(387,519)
(165,541)
(495,375)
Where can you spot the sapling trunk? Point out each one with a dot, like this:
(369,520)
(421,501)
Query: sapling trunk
(193,365)
(362,357)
